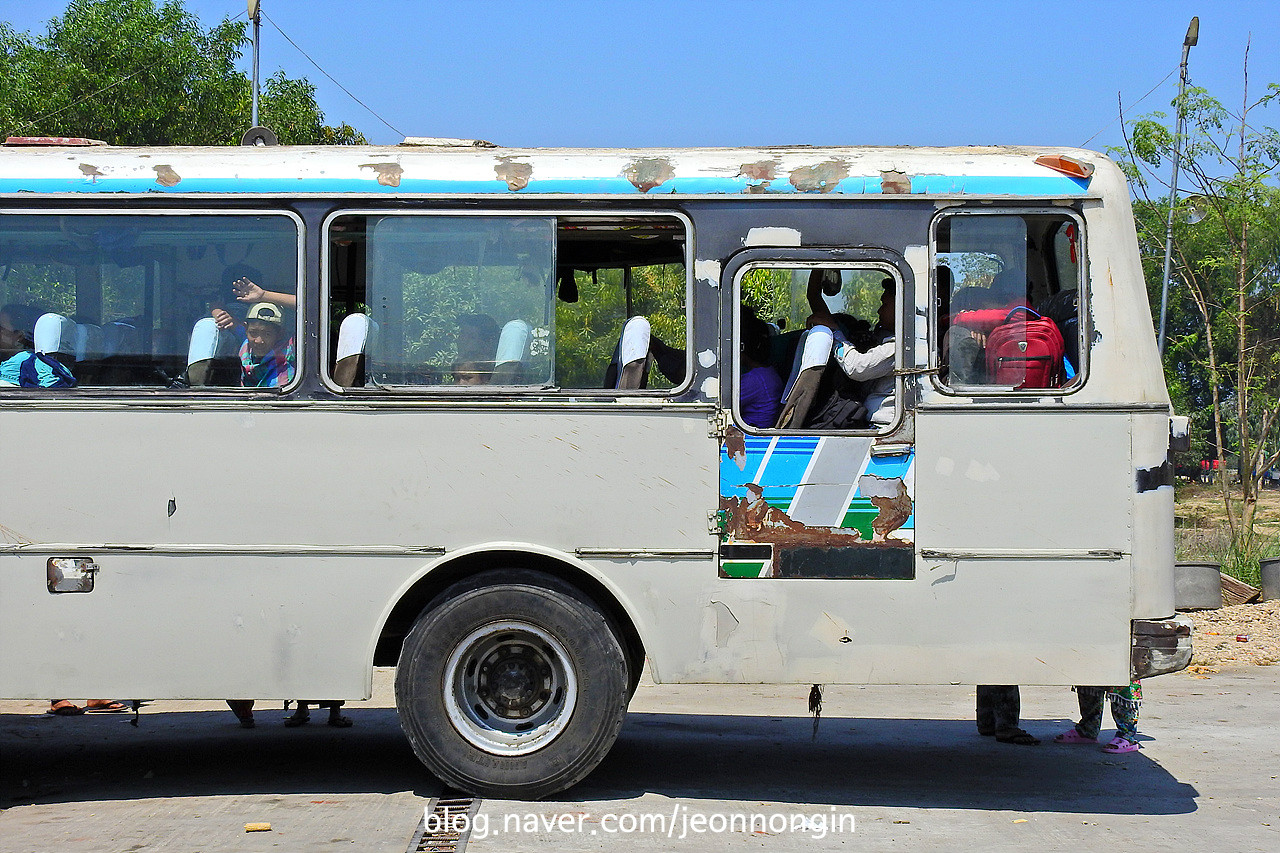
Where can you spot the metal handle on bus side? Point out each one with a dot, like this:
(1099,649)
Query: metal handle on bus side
(70,574)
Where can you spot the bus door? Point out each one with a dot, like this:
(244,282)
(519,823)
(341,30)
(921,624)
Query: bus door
(817,463)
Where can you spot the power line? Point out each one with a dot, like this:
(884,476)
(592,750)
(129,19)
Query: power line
(1135,103)
(330,76)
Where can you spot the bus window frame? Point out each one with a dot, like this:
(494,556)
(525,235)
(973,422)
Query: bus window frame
(865,259)
(457,393)
(255,393)
(998,393)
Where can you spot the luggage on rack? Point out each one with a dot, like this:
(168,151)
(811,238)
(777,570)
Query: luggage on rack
(1025,351)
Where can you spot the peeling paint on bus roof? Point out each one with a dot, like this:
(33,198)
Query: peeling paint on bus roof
(299,170)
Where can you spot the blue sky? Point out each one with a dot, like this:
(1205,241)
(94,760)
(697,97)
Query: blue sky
(622,73)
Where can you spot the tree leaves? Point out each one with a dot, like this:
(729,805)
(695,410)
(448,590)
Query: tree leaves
(130,72)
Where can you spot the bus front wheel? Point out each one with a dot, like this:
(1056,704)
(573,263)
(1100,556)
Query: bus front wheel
(514,686)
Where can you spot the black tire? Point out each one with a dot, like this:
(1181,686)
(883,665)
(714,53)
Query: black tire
(513,686)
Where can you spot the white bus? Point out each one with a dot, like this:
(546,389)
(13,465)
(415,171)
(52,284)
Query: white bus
(474,471)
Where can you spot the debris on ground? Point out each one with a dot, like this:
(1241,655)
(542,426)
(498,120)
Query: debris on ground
(1236,636)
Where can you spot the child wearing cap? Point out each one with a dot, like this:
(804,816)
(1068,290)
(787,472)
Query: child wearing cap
(267,356)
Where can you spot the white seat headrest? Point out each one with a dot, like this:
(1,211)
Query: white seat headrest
(513,343)
(88,341)
(55,333)
(354,334)
(205,338)
(635,341)
(814,350)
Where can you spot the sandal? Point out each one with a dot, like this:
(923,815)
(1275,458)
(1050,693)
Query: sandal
(1018,737)
(65,708)
(1072,735)
(1120,745)
(105,706)
(339,722)
(297,718)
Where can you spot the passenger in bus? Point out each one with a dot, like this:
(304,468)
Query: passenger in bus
(267,356)
(472,372)
(477,337)
(246,290)
(760,390)
(17,329)
(874,365)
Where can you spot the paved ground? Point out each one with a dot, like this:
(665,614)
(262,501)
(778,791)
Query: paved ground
(904,763)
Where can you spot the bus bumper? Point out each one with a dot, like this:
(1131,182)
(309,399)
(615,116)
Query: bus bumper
(1160,646)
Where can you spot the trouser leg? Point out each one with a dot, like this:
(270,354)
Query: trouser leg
(998,707)
(1125,703)
(1090,710)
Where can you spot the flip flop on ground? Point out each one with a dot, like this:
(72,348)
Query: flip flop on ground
(1018,737)
(1072,735)
(1120,745)
(65,708)
(105,706)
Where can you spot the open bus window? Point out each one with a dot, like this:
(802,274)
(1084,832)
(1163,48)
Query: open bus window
(126,300)
(1008,306)
(817,349)
(453,303)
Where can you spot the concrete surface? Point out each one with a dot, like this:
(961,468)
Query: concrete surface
(905,763)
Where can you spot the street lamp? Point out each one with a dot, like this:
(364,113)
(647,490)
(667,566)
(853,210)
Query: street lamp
(255,16)
(1193,35)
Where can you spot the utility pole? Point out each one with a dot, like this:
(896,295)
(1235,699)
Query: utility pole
(256,16)
(1193,35)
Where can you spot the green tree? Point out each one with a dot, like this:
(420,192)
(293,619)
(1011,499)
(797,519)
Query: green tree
(1223,351)
(131,72)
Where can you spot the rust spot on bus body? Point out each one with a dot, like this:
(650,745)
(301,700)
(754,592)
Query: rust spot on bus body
(515,174)
(389,174)
(752,519)
(761,174)
(649,172)
(893,182)
(735,447)
(166,177)
(820,177)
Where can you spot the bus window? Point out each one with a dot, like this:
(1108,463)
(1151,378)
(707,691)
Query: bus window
(1008,302)
(453,302)
(120,297)
(817,349)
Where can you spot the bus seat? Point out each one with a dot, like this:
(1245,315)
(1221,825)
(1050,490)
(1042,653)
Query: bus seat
(55,335)
(354,337)
(513,352)
(207,346)
(811,360)
(120,337)
(88,342)
(632,361)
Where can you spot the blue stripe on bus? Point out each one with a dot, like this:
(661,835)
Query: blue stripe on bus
(1046,186)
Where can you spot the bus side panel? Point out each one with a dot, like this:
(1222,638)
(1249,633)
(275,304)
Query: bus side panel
(1152,518)
(208,589)
(994,621)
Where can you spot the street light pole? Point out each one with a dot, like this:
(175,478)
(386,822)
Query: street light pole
(255,16)
(1193,35)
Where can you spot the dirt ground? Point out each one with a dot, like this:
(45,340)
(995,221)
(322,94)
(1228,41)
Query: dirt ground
(1244,633)
(1238,635)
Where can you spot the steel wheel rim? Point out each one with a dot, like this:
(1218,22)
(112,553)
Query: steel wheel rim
(510,688)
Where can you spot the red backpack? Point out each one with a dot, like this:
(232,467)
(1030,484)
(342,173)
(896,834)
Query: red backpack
(1025,351)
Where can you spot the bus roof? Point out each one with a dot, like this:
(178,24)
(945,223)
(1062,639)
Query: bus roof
(439,170)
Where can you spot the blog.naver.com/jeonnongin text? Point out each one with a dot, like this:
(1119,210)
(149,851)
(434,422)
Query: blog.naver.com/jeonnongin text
(679,823)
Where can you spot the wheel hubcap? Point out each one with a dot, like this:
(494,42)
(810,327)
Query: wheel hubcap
(511,688)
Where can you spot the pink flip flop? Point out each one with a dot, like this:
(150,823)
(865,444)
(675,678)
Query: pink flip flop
(1072,735)
(1120,745)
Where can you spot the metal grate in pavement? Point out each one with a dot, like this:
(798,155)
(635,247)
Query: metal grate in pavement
(445,825)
